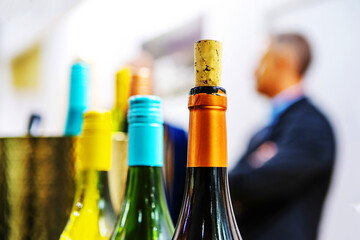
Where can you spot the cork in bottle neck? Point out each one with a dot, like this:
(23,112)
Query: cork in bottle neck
(208,60)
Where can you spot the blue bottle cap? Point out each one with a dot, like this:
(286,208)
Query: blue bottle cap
(80,78)
(78,102)
(145,109)
(145,131)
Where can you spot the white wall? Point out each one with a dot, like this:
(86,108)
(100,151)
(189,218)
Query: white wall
(108,33)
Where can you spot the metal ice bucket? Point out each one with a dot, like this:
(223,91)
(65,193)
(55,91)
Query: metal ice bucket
(37,184)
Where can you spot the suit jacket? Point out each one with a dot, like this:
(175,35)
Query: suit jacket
(282,199)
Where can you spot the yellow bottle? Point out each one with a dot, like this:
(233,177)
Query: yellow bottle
(92,215)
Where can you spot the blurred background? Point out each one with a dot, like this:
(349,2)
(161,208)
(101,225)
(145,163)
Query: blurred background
(39,41)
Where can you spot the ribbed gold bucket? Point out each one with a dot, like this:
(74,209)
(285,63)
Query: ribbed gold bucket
(37,185)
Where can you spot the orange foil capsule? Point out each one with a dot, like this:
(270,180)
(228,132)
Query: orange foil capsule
(207,148)
(141,82)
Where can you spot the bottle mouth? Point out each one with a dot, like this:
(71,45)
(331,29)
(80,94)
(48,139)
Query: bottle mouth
(207,97)
(145,109)
(208,89)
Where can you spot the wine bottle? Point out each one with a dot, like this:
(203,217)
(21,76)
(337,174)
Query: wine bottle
(78,98)
(122,92)
(144,214)
(92,215)
(206,210)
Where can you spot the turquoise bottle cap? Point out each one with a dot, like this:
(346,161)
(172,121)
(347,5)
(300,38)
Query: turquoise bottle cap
(80,77)
(145,131)
(145,109)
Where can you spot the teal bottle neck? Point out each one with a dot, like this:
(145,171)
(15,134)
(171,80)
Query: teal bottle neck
(146,144)
(78,98)
(80,78)
(74,121)
(145,131)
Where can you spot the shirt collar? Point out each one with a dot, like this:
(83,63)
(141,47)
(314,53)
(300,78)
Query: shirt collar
(283,100)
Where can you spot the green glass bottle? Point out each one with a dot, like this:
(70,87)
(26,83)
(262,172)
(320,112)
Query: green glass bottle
(144,214)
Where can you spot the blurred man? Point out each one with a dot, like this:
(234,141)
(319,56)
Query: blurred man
(279,186)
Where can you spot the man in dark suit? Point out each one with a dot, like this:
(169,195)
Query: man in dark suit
(279,186)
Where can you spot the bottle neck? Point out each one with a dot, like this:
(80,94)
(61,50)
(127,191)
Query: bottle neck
(119,122)
(146,144)
(74,121)
(121,96)
(92,183)
(208,184)
(118,103)
(207,130)
(144,182)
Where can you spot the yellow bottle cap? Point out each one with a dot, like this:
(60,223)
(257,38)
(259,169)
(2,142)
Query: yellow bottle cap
(95,141)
